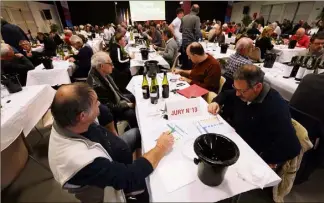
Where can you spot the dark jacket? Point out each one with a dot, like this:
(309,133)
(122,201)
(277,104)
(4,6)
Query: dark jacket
(265,124)
(157,38)
(309,96)
(220,39)
(12,34)
(264,44)
(49,46)
(18,66)
(83,62)
(58,40)
(190,28)
(107,91)
(121,72)
(35,58)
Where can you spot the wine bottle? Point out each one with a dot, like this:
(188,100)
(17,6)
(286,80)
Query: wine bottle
(165,86)
(145,87)
(296,66)
(302,69)
(290,67)
(310,67)
(157,86)
(154,92)
(320,67)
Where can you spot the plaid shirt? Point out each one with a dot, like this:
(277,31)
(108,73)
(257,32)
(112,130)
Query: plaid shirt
(234,62)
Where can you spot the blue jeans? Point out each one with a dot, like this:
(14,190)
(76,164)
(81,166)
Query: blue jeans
(132,138)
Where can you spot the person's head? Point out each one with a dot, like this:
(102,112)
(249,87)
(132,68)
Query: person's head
(248,82)
(195,8)
(68,33)
(120,39)
(300,33)
(76,42)
(219,22)
(96,27)
(123,24)
(301,22)
(180,12)
(88,28)
(225,26)
(259,26)
(81,27)
(255,25)
(158,26)
(244,46)
(267,32)
(218,29)
(40,35)
(121,31)
(152,26)
(75,107)
(3,21)
(195,52)
(25,45)
(317,42)
(238,25)
(102,63)
(52,34)
(7,53)
(274,25)
(167,34)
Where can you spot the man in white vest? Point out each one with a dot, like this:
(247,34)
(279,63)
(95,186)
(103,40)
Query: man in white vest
(83,154)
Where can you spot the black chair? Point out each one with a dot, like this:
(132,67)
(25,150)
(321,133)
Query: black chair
(313,158)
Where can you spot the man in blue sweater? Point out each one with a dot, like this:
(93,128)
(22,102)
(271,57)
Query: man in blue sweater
(259,115)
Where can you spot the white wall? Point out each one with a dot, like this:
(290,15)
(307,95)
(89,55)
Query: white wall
(255,7)
(35,20)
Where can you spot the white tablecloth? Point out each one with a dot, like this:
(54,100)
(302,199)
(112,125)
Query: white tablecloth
(214,50)
(230,40)
(96,44)
(285,86)
(23,111)
(195,191)
(60,74)
(286,54)
(137,62)
(39,48)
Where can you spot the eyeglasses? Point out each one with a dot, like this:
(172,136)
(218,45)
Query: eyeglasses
(243,91)
(109,63)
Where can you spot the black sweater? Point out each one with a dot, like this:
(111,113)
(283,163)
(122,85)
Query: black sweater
(265,124)
(83,62)
(264,44)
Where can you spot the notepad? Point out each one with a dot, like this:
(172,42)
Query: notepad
(193,91)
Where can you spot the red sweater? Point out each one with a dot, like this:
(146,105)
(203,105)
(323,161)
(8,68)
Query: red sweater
(302,42)
(206,74)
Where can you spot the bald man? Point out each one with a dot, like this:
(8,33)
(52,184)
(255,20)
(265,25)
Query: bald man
(301,38)
(216,35)
(83,154)
(206,69)
(243,49)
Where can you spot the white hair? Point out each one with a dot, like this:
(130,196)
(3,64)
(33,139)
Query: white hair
(81,27)
(243,43)
(5,49)
(76,39)
(225,25)
(274,25)
(99,58)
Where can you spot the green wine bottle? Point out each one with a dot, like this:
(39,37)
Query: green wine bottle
(165,86)
(154,92)
(145,87)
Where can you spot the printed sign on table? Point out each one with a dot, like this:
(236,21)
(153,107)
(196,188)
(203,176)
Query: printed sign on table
(183,108)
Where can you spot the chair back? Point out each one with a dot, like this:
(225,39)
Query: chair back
(314,157)
(175,61)
(255,54)
(221,83)
(209,97)
(88,194)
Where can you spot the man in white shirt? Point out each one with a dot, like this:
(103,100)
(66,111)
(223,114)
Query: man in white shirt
(175,26)
(108,33)
(276,29)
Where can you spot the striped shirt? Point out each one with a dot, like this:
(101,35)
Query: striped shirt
(234,62)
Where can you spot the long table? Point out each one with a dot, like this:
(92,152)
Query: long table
(214,50)
(60,74)
(286,54)
(21,111)
(274,76)
(178,167)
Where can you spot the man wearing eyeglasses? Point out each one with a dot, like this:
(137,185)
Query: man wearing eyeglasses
(316,46)
(121,105)
(259,115)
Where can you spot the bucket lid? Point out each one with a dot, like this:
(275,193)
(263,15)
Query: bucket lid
(216,149)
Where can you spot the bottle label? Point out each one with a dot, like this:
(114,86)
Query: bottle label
(288,70)
(300,73)
(319,71)
(154,94)
(144,91)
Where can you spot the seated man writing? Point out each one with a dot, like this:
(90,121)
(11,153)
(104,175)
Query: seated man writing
(82,153)
(121,105)
(206,70)
(170,52)
(259,115)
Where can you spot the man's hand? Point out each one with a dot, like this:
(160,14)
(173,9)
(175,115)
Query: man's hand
(132,55)
(66,58)
(131,105)
(29,54)
(19,55)
(185,79)
(155,47)
(165,142)
(176,71)
(213,108)
(71,59)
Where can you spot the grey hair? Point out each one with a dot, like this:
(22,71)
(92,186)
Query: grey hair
(225,25)
(243,43)
(99,58)
(76,39)
(250,73)
(81,27)
(5,49)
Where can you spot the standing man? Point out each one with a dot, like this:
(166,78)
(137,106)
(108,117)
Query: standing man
(175,26)
(190,29)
